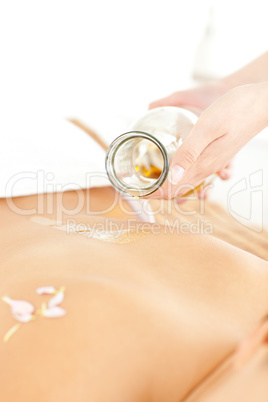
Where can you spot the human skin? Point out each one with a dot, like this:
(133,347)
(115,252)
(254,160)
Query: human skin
(220,132)
(204,95)
(146,321)
(233,110)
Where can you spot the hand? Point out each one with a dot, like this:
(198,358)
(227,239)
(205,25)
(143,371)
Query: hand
(220,132)
(197,100)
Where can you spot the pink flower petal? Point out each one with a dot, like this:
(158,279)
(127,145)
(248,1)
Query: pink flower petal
(53,312)
(19,307)
(23,318)
(46,290)
(57,299)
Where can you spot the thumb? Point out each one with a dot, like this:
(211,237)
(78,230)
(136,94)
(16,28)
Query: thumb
(187,155)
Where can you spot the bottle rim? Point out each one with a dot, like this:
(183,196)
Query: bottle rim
(112,175)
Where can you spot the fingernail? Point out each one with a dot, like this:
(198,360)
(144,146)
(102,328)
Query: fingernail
(176,174)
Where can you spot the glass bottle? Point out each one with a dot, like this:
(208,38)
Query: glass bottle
(137,162)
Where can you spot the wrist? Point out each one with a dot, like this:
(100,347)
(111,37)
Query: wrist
(258,103)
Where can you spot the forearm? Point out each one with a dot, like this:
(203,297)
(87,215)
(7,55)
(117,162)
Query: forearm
(262,102)
(253,73)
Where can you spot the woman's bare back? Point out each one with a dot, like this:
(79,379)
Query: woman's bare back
(147,319)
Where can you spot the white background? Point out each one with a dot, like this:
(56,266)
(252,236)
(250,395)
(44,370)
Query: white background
(104,61)
(94,59)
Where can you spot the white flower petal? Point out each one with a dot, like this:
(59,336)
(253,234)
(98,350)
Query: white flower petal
(46,290)
(57,299)
(20,307)
(23,317)
(54,312)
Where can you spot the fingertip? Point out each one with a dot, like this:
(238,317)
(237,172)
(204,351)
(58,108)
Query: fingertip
(175,174)
(159,103)
(203,193)
(167,101)
(225,174)
(153,105)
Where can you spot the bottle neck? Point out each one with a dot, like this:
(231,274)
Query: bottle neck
(137,163)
